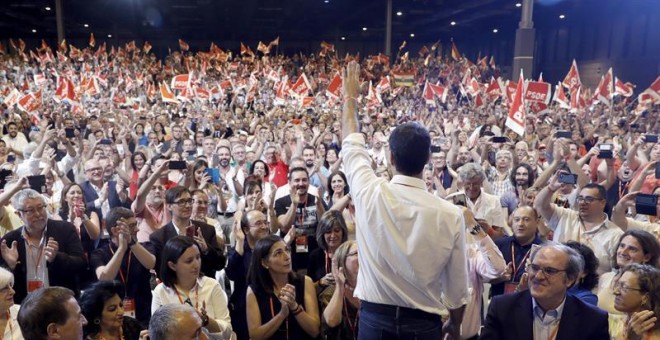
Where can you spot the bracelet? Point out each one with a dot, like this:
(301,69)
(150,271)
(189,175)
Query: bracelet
(298,310)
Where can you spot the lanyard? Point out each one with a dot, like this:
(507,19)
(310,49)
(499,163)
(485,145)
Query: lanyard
(622,189)
(196,296)
(302,214)
(516,269)
(351,325)
(124,280)
(286,321)
(37,261)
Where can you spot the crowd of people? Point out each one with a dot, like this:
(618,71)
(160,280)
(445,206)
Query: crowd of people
(239,211)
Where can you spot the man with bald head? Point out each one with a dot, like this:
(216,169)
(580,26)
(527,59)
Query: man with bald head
(101,196)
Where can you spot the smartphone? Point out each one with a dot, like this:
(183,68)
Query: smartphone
(646,204)
(499,139)
(567,178)
(605,151)
(120,149)
(51,125)
(190,231)
(105,141)
(563,134)
(651,138)
(435,149)
(657,170)
(11,158)
(70,133)
(214,173)
(38,183)
(442,140)
(460,199)
(177,165)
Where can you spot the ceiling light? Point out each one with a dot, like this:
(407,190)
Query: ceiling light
(343,38)
(495,30)
(109,35)
(364,28)
(412,35)
(518,5)
(48,8)
(86,25)
(34,31)
(453,23)
(561,16)
(399,13)
(327,1)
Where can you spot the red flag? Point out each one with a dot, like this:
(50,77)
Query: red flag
(478,101)
(130,46)
(494,89)
(21,45)
(261,47)
(654,89)
(538,92)
(423,51)
(243,49)
(373,98)
(605,88)
(516,118)
(577,102)
(306,102)
(455,54)
(147,47)
(70,93)
(44,46)
(92,41)
(30,102)
(624,89)
(473,87)
(183,45)
(181,81)
(403,45)
(541,78)
(511,87)
(334,88)
(572,79)
(166,94)
(560,97)
(384,84)
(12,98)
(327,46)
(302,86)
(282,90)
(40,79)
(492,62)
(440,91)
(275,42)
(428,95)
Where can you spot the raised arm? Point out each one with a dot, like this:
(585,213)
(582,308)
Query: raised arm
(141,197)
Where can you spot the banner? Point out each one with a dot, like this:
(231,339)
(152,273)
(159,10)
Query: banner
(516,118)
(538,92)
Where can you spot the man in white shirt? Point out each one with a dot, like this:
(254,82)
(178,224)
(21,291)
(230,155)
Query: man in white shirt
(411,242)
(15,139)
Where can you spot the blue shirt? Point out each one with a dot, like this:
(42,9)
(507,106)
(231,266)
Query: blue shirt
(505,245)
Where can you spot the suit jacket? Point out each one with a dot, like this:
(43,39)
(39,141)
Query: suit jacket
(214,259)
(64,271)
(90,196)
(511,317)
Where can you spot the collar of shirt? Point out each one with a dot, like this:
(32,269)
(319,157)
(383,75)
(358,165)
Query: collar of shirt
(43,236)
(549,317)
(179,230)
(409,181)
(600,227)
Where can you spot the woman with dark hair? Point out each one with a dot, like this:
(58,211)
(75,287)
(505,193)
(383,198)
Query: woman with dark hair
(138,160)
(340,199)
(160,132)
(331,233)
(332,160)
(280,304)
(259,169)
(637,292)
(201,180)
(139,137)
(635,246)
(588,278)
(102,305)
(339,306)
(183,282)
(72,209)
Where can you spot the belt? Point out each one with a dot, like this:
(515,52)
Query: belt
(398,311)
(228,214)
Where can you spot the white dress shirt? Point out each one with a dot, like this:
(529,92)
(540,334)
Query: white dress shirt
(412,244)
(489,208)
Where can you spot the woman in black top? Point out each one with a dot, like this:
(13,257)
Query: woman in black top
(280,305)
(102,306)
(330,234)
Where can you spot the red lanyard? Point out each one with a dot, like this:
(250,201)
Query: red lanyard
(351,325)
(516,269)
(622,188)
(196,295)
(124,280)
(286,321)
(37,261)
(328,263)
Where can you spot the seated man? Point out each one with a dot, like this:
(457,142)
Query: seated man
(546,311)
(175,322)
(51,313)
(43,252)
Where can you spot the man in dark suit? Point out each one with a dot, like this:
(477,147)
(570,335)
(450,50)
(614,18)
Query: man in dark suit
(179,202)
(43,252)
(545,311)
(99,195)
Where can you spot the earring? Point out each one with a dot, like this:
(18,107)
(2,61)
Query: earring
(97,321)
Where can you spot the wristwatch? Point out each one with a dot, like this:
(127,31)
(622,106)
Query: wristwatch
(475,230)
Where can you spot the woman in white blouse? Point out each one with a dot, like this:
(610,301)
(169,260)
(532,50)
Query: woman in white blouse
(8,310)
(181,283)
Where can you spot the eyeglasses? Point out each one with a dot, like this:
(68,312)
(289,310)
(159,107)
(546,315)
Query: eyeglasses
(532,269)
(199,202)
(94,169)
(587,199)
(182,203)
(622,287)
(33,210)
(259,224)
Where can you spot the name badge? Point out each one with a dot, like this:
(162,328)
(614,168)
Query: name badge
(129,307)
(302,245)
(34,285)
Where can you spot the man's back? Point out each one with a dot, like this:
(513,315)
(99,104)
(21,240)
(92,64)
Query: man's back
(410,241)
